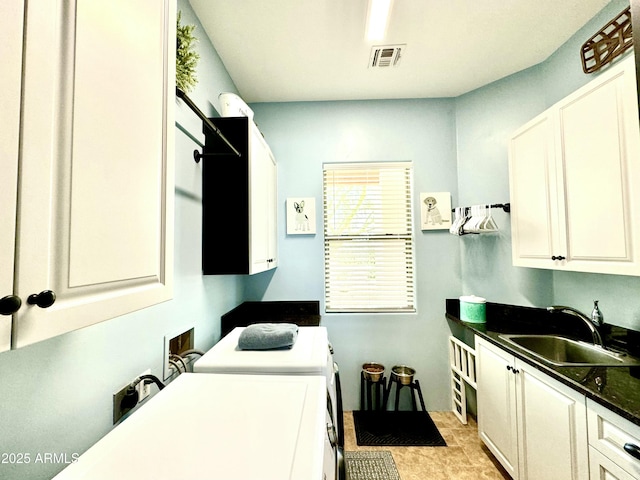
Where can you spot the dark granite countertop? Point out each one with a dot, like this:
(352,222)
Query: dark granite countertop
(619,388)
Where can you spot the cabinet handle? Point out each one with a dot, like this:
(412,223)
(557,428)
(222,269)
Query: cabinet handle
(44,299)
(9,304)
(559,257)
(632,450)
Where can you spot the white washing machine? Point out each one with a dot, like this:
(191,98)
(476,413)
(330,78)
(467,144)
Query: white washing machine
(310,355)
(220,427)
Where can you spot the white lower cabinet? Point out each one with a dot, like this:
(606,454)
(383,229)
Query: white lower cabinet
(610,436)
(535,426)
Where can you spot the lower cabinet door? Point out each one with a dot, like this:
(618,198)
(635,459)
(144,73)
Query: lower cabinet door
(496,395)
(552,428)
(534,425)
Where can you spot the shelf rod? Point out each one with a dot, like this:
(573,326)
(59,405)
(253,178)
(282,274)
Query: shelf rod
(204,118)
(504,206)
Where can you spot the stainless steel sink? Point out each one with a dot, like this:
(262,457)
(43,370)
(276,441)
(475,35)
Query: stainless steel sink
(562,351)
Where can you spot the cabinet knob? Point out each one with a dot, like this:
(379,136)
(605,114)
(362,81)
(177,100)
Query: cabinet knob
(632,450)
(44,299)
(559,257)
(9,304)
(509,367)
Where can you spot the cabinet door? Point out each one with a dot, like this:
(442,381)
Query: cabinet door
(599,151)
(259,204)
(272,201)
(552,424)
(96,186)
(496,395)
(532,182)
(11,24)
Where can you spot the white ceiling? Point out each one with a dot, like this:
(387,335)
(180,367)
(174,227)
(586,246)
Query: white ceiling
(301,50)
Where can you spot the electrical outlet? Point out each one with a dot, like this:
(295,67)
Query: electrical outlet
(143,392)
(118,411)
(144,389)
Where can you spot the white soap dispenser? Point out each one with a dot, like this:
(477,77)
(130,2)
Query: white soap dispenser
(596,314)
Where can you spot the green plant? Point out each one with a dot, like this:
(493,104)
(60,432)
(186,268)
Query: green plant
(186,57)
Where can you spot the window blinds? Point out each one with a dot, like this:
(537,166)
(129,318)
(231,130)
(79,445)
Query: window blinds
(368,237)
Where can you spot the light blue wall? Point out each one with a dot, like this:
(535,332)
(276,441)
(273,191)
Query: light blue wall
(473,167)
(305,135)
(56,396)
(485,119)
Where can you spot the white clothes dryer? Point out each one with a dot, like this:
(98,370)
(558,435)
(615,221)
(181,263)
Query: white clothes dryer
(220,427)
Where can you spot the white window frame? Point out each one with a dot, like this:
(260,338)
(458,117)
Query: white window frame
(369,247)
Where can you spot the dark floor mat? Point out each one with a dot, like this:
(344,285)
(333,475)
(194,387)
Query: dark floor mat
(382,428)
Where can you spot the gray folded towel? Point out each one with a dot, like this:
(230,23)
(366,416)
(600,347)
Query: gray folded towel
(268,336)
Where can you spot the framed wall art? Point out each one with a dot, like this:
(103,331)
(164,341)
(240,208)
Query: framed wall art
(301,216)
(435,211)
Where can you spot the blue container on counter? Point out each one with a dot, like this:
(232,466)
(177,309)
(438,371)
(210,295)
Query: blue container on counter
(473,309)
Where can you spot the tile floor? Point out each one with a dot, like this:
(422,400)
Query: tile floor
(464,458)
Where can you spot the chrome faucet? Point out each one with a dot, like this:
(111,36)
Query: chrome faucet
(597,338)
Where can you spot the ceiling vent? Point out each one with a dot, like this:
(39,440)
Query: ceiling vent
(386,55)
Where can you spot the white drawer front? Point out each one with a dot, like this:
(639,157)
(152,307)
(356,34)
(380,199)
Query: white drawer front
(609,432)
(601,468)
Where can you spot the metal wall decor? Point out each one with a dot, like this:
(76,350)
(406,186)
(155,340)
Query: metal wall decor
(611,41)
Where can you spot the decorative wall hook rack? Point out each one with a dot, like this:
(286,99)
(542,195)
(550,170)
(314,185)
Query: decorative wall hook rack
(197,155)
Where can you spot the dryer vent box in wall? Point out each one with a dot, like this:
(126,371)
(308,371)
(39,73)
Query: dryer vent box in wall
(176,343)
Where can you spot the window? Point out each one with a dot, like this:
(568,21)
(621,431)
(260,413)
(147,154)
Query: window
(368,239)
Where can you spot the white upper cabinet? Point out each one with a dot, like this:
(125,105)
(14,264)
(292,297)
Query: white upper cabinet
(575,180)
(11,23)
(262,205)
(239,201)
(533,206)
(94,213)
